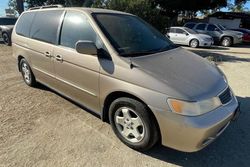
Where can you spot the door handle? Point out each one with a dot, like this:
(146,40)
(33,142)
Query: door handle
(59,58)
(47,54)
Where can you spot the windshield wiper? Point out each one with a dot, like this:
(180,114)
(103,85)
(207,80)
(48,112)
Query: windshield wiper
(137,53)
(153,51)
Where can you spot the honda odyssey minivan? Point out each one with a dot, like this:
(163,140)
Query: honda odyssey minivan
(121,68)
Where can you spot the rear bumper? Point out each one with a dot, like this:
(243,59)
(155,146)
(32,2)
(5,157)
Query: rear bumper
(190,134)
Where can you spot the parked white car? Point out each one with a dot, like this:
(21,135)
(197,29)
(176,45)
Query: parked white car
(186,36)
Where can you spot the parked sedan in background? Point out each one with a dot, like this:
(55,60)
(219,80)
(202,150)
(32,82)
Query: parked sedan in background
(219,33)
(186,36)
(6,27)
(246,33)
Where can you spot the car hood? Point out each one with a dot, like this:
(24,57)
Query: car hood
(203,36)
(183,73)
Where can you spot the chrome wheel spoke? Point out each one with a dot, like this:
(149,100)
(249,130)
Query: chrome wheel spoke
(129,124)
(136,134)
(26,72)
(136,122)
(126,132)
(120,120)
(125,113)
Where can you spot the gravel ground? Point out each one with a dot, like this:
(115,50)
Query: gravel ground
(40,128)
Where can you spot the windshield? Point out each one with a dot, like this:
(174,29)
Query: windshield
(221,27)
(190,31)
(131,36)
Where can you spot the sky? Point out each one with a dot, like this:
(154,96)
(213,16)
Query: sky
(4,5)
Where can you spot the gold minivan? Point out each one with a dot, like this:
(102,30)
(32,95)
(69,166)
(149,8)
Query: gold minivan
(121,68)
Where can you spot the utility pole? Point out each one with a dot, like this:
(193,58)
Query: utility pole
(20,7)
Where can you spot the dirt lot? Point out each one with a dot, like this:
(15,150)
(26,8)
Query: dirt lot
(40,128)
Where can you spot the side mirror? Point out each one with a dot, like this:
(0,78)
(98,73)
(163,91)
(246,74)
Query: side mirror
(216,29)
(187,34)
(86,47)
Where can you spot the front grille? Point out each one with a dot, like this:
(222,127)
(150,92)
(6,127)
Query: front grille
(226,96)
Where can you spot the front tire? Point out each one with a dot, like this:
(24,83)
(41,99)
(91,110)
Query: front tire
(6,39)
(226,41)
(132,123)
(194,43)
(27,73)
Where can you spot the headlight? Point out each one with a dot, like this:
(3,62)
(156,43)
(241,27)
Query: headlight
(194,108)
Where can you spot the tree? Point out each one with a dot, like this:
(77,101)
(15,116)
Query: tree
(160,13)
(146,9)
(18,5)
(238,7)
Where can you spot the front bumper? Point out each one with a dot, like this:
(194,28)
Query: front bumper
(237,40)
(190,134)
(206,43)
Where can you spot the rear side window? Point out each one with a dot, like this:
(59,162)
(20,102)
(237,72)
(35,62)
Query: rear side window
(180,31)
(77,27)
(172,30)
(45,26)
(190,25)
(24,23)
(211,27)
(201,27)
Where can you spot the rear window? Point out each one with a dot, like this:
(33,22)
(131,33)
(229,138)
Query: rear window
(24,23)
(45,26)
(7,21)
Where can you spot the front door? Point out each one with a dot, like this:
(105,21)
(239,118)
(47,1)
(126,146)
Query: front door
(214,32)
(77,73)
(182,36)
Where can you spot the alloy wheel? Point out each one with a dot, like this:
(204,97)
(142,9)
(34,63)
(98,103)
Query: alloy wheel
(129,124)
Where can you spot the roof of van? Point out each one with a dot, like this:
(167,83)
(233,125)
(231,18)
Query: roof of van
(88,10)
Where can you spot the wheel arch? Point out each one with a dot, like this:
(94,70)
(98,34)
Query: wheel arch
(224,36)
(193,39)
(118,94)
(19,58)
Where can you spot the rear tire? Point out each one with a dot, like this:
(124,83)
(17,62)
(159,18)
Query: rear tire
(132,123)
(27,73)
(226,41)
(6,39)
(194,43)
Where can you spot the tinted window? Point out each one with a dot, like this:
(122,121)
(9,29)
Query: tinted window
(211,27)
(77,27)
(7,21)
(180,31)
(190,25)
(172,30)
(201,27)
(24,23)
(45,26)
(131,36)
(190,31)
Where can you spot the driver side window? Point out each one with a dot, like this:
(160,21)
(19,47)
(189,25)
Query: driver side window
(77,27)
